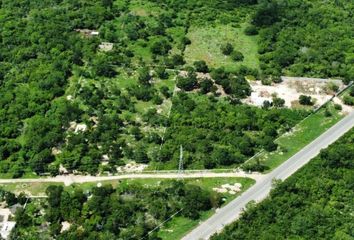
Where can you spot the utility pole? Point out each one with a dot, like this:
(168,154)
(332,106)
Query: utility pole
(180,167)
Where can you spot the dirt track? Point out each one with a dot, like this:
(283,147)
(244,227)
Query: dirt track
(70,179)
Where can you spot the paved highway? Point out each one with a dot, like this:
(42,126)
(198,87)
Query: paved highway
(261,189)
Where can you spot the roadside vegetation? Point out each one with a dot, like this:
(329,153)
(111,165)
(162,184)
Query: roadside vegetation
(111,208)
(292,142)
(217,134)
(316,202)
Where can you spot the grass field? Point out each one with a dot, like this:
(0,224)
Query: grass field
(34,189)
(304,133)
(206,43)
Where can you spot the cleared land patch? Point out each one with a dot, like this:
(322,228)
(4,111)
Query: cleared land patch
(207,41)
(290,90)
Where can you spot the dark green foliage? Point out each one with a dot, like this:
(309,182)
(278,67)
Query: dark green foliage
(128,212)
(143,93)
(22,218)
(236,86)
(337,106)
(144,76)
(102,66)
(348,100)
(237,56)
(305,100)
(314,203)
(161,47)
(161,72)
(306,38)
(251,30)
(351,92)
(188,82)
(267,13)
(278,102)
(201,66)
(227,49)
(165,91)
(215,133)
(206,85)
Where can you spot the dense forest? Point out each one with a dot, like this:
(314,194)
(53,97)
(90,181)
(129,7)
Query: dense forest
(216,133)
(306,38)
(127,212)
(87,81)
(314,203)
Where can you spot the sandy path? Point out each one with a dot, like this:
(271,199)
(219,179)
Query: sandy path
(70,179)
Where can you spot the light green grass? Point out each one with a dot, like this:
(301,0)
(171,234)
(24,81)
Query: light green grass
(206,43)
(34,189)
(303,134)
(123,81)
(143,8)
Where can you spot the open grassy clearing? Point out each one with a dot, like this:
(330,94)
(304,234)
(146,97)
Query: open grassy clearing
(34,189)
(39,188)
(143,8)
(206,43)
(304,133)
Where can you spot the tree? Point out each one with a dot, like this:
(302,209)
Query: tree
(161,72)
(144,76)
(266,14)
(160,47)
(54,194)
(102,66)
(107,3)
(187,83)
(165,91)
(227,49)
(201,66)
(266,104)
(140,156)
(251,30)
(177,60)
(10,198)
(269,144)
(278,102)
(237,56)
(348,100)
(351,92)
(22,218)
(305,100)
(206,85)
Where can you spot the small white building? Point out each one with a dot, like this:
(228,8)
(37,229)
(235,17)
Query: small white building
(6,226)
(106,46)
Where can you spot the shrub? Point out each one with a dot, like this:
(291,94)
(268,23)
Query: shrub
(251,30)
(201,66)
(161,72)
(351,92)
(227,49)
(237,56)
(337,106)
(305,100)
(348,100)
